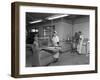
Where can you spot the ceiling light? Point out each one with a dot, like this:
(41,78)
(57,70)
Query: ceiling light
(34,30)
(37,21)
(56,17)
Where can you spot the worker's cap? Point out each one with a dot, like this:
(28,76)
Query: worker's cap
(55,32)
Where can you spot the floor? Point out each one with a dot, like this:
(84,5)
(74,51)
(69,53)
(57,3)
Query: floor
(66,58)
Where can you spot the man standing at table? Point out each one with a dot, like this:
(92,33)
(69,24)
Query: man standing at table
(55,48)
(55,42)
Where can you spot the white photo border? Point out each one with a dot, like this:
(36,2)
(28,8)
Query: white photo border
(36,70)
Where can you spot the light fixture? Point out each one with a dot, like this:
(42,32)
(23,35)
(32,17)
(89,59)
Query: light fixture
(56,17)
(37,21)
(34,30)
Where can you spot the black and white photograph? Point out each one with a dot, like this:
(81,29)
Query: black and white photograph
(51,39)
(57,39)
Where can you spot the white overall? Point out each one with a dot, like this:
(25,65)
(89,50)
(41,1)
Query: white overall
(79,46)
(55,39)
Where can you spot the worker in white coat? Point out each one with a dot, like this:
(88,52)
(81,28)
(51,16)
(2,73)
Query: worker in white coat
(55,48)
(80,43)
(55,41)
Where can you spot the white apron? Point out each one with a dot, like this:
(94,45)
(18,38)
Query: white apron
(79,46)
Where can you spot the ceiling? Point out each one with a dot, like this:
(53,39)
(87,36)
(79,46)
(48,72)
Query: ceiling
(36,16)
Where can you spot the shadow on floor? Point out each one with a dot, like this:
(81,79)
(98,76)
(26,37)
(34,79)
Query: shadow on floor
(71,59)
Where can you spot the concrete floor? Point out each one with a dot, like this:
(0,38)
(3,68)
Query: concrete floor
(71,59)
(66,58)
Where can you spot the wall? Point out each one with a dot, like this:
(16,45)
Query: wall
(62,26)
(66,28)
(5,40)
(82,24)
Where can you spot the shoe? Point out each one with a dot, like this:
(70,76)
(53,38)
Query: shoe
(56,59)
(48,64)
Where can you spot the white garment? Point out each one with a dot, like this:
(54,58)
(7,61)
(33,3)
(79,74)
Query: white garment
(55,39)
(79,46)
(56,55)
